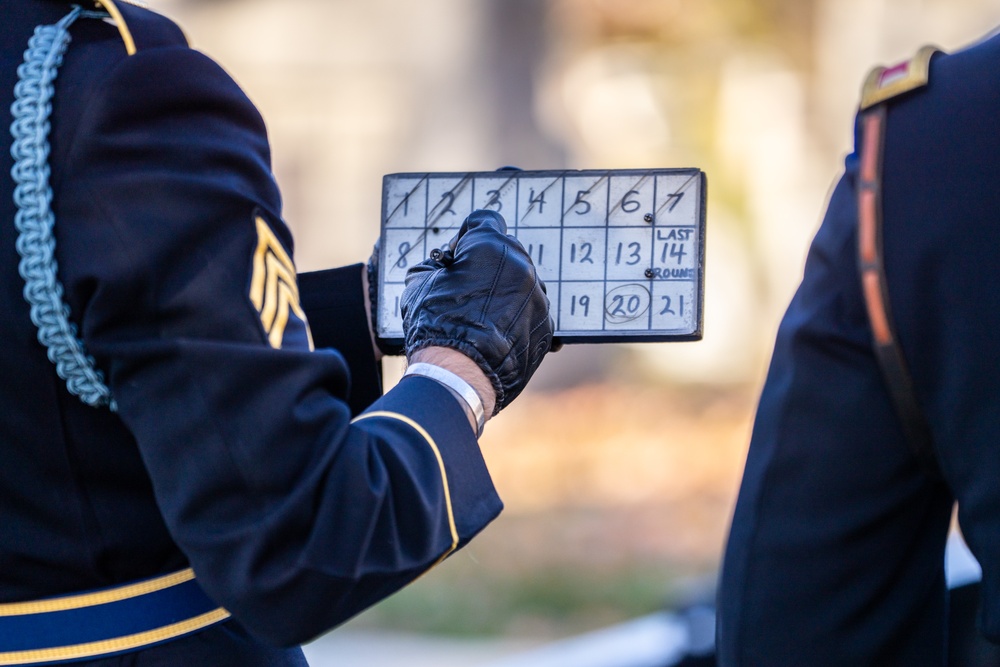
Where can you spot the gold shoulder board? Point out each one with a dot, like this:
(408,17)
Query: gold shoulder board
(884,83)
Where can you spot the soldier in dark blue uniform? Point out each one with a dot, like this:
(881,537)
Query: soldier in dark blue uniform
(882,404)
(196,465)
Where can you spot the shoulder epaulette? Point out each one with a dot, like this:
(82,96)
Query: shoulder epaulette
(884,83)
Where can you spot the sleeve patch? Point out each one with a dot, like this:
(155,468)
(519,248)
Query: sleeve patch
(884,83)
(274,290)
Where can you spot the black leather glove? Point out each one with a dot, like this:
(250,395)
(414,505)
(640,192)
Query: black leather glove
(481,296)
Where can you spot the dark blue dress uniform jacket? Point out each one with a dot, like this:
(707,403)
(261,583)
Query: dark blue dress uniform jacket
(231,451)
(835,555)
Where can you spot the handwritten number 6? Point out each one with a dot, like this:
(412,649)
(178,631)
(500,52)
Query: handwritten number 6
(630,205)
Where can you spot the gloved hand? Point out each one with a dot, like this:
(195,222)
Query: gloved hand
(481,296)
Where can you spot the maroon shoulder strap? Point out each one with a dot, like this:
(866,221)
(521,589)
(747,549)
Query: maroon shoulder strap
(876,294)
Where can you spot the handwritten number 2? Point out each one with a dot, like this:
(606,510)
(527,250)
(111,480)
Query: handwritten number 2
(450,196)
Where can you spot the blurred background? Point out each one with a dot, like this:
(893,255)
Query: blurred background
(620,464)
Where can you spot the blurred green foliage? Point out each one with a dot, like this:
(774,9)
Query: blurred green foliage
(463,599)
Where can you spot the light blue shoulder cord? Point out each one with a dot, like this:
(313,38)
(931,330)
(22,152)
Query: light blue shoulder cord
(34,219)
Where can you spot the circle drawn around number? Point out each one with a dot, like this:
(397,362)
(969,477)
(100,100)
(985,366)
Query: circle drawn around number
(626,303)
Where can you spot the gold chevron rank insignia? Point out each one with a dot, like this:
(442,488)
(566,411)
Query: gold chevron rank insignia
(274,290)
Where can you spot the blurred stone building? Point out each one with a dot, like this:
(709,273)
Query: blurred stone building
(758,93)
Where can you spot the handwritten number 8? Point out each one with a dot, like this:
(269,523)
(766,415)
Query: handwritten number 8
(404,248)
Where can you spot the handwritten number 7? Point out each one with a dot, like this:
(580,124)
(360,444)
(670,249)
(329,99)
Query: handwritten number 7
(673,200)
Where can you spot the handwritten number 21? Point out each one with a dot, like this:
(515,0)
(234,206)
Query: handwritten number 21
(668,306)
